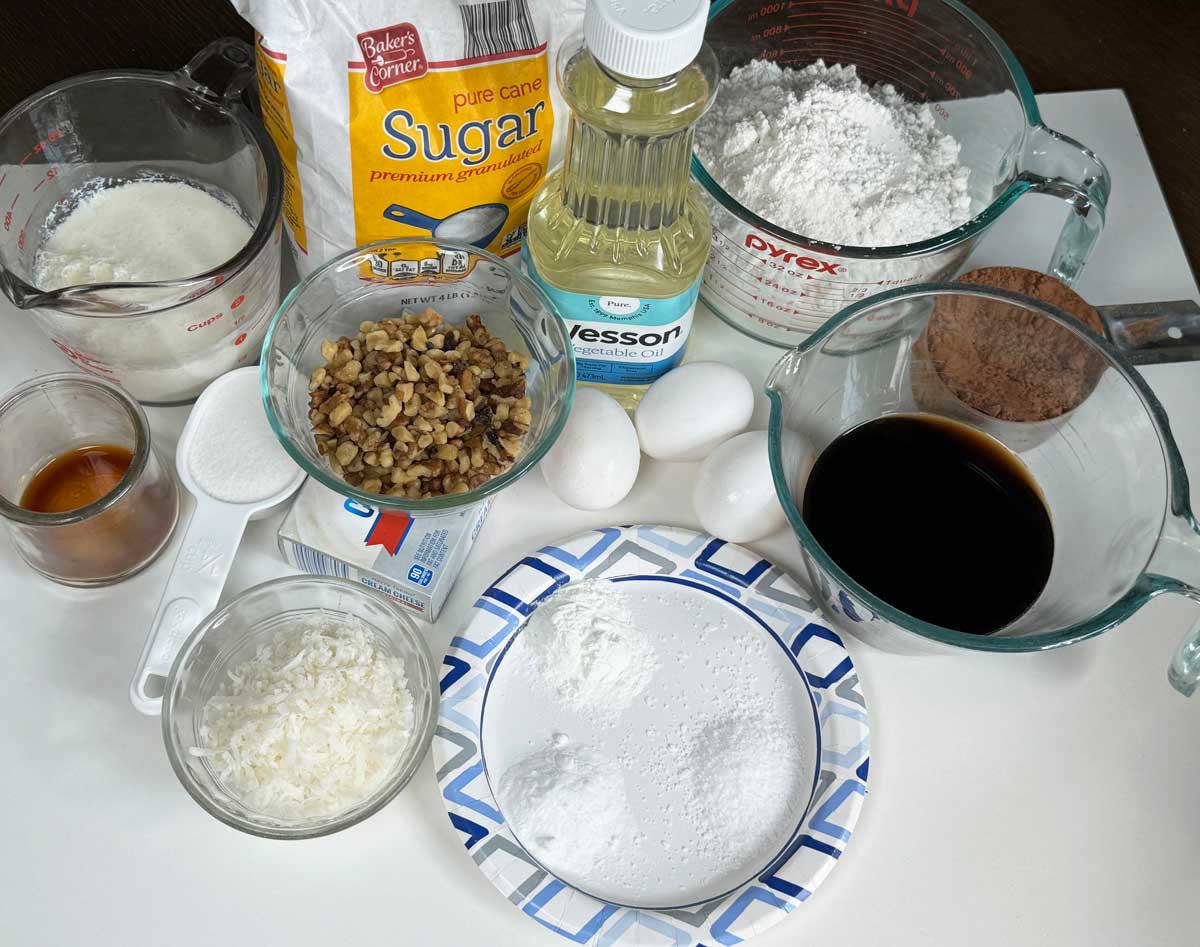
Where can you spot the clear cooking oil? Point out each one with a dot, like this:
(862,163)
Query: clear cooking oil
(618,235)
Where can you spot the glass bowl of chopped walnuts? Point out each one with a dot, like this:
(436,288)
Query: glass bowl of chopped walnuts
(417,375)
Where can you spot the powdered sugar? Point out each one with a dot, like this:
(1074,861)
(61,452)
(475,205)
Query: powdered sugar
(583,642)
(697,781)
(820,153)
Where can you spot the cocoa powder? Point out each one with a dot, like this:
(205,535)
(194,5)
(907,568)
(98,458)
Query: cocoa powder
(1007,362)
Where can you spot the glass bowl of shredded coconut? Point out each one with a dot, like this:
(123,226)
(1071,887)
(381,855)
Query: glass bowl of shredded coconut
(301,708)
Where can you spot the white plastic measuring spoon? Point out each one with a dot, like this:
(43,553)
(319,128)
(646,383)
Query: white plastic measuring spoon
(202,564)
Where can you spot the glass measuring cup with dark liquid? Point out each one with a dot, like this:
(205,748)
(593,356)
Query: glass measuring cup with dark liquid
(973,542)
(1104,469)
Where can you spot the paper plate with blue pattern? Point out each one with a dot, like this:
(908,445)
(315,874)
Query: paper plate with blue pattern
(747,585)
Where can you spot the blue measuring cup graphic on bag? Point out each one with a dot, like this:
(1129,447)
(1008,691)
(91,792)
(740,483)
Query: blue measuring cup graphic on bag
(476,226)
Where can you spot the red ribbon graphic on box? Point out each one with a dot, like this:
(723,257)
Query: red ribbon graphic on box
(388,531)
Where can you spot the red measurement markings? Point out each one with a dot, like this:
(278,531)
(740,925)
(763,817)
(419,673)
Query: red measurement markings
(873,15)
(884,68)
(899,47)
(50,175)
(871,23)
(861,51)
(52,136)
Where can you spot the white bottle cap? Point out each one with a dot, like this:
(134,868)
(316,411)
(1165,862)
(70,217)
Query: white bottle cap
(645,39)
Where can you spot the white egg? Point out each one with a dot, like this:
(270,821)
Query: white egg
(594,462)
(735,497)
(692,409)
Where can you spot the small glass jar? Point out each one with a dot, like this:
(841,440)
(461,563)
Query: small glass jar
(112,537)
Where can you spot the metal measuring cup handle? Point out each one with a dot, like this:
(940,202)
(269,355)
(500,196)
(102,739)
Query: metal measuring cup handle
(1154,333)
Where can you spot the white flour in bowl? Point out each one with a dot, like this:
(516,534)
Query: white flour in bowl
(818,152)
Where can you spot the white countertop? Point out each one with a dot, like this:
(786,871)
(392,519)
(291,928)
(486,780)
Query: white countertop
(1035,799)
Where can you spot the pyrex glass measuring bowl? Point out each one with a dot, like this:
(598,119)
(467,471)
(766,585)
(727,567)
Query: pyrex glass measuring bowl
(1109,470)
(778,286)
(163,342)
(385,280)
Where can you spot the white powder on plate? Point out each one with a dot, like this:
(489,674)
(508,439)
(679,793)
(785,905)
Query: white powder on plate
(694,785)
(820,153)
(568,803)
(311,725)
(583,642)
(140,232)
(234,455)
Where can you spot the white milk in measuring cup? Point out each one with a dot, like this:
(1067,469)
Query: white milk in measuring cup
(126,292)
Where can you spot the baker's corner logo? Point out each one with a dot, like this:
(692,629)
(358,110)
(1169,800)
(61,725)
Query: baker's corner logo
(392,55)
(783,255)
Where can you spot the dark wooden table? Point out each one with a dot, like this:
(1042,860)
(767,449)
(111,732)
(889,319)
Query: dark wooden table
(1146,48)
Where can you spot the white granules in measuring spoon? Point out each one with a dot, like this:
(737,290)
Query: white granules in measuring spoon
(822,154)
(314,723)
(233,454)
(140,232)
(582,641)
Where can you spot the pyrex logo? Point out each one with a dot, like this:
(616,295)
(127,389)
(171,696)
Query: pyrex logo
(908,7)
(783,255)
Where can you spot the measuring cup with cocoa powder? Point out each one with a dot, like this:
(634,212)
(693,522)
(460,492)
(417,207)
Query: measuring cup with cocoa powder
(96,524)
(1012,373)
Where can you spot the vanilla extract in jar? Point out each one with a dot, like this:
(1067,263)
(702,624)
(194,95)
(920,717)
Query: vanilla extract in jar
(84,496)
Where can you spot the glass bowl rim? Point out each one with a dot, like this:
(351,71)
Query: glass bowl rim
(448,503)
(406,767)
(142,446)
(68,298)
(1145,587)
(964,231)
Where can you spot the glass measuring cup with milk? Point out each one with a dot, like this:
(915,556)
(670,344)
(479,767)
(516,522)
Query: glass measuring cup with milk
(779,286)
(163,339)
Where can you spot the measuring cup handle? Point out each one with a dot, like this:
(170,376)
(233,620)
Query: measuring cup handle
(221,70)
(192,591)
(1057,165)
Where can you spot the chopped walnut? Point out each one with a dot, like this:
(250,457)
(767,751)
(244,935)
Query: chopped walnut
(415,407)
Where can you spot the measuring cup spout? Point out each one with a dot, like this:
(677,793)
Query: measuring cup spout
(1060,166)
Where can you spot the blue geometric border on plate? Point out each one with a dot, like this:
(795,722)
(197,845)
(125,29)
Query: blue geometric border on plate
(737,572)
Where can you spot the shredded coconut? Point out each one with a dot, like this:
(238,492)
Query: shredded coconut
(312,724)
(820,153)
(583,642)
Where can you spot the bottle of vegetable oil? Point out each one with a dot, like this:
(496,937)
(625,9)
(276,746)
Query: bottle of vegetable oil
(618,234)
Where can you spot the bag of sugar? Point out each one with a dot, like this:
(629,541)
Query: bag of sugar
(403,118)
